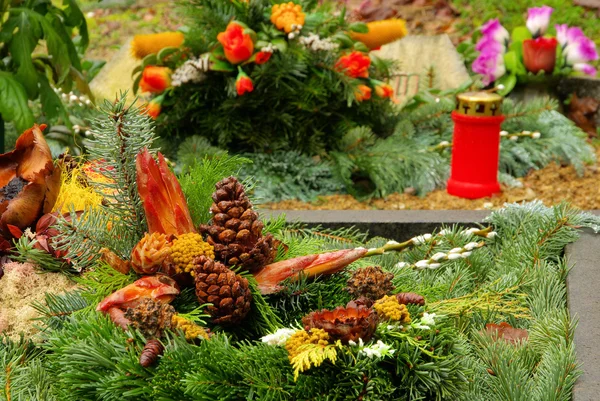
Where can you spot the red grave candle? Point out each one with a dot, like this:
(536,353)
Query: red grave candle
(476,145)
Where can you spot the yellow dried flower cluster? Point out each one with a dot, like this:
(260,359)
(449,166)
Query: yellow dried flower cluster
(284,15)
(186,248)
(301,337)
(389,308)
(189,328)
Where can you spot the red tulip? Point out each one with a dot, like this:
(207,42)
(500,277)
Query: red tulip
(243,83)
(155,79)
(238,46)
(355,65)
(164,202)
(540,54)
(153,108)
(270,276)
(363,93)
(384,90)
(262,57)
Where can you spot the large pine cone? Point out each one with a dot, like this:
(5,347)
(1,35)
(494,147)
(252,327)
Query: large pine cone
(344,323)
(370,282)
(235,231)
(228,293)
(151,317)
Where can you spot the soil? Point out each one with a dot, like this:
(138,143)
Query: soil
(552,184)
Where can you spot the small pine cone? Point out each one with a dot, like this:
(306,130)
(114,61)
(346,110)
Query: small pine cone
(149,254)
(150,317)
(152,350)
(228,293)
(410,298)
(235,231)
(344,323)
(370,282)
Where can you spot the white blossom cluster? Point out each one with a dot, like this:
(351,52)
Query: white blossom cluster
(315,43)
(78,129)
(269,48)
(72,99)
(376,350)
(296,28)
(426,322)
(192,70)
(514,137)
(279,338)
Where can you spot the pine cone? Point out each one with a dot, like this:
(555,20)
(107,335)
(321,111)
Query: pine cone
(370,282)
(344,323)
(410,298)
(150,317)
(152,350)
(228,293)
(235,231)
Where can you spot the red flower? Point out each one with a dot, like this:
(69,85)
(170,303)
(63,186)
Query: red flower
(262,57)
(243,84)
(355,65)
(153,108)
(363,93)
(238,46)
(540,54)
(155,79)
(384,90)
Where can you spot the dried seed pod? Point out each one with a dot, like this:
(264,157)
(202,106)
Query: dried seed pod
(151,352)
(410,298)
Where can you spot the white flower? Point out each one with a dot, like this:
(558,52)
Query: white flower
(73,98)
(420,326)
(392,243)
(444,143)
(491,234)
(428,319)
(465,255)
(438,256)
(291,35)
(536,135)
(471,245)
(470,231)
(513,137)
(434,265)
(445,231)
(503,133)
(377,350)
(279,338)
(422,264)
(455,250)
(192,70)
(29,234)
(421,239)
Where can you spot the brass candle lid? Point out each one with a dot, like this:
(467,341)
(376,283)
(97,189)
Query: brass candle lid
(484,104)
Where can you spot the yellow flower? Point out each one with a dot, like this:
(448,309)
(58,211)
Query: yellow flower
(186,248)
(284,15)
(143,45)
(389,308)
(189,328)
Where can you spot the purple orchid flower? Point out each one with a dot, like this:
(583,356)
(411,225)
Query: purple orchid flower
(581,50)
(494,30)
(490,64)
(538,19)
(585,68)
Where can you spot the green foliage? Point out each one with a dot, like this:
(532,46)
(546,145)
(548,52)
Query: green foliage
(28,75)
(289,175)
(299,102)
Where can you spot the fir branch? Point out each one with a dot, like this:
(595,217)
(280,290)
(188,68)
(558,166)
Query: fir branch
(57,307)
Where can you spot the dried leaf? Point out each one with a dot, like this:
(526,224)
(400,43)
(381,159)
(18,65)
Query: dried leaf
(506,332)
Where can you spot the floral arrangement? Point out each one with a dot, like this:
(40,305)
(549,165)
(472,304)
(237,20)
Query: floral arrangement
(528,52)
(184,292)
(238,61)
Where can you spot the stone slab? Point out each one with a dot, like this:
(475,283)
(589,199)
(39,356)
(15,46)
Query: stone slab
(583,289)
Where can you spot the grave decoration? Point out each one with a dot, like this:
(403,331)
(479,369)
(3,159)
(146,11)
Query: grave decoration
(172,302)
(530,54)
(262,76)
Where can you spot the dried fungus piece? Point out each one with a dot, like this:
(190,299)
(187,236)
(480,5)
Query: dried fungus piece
(407,298)
(29,182)
(347,323)
(150,317)
(370,282)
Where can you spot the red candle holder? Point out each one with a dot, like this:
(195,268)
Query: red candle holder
(476,145)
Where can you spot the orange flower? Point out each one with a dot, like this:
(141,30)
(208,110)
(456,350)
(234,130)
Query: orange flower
(238,46)
(243,83)
(284,15)
(363,93)
(29,181)
(384,90)
(262,57)
(154,107)
(164,203)
(355,65)
(155,79)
